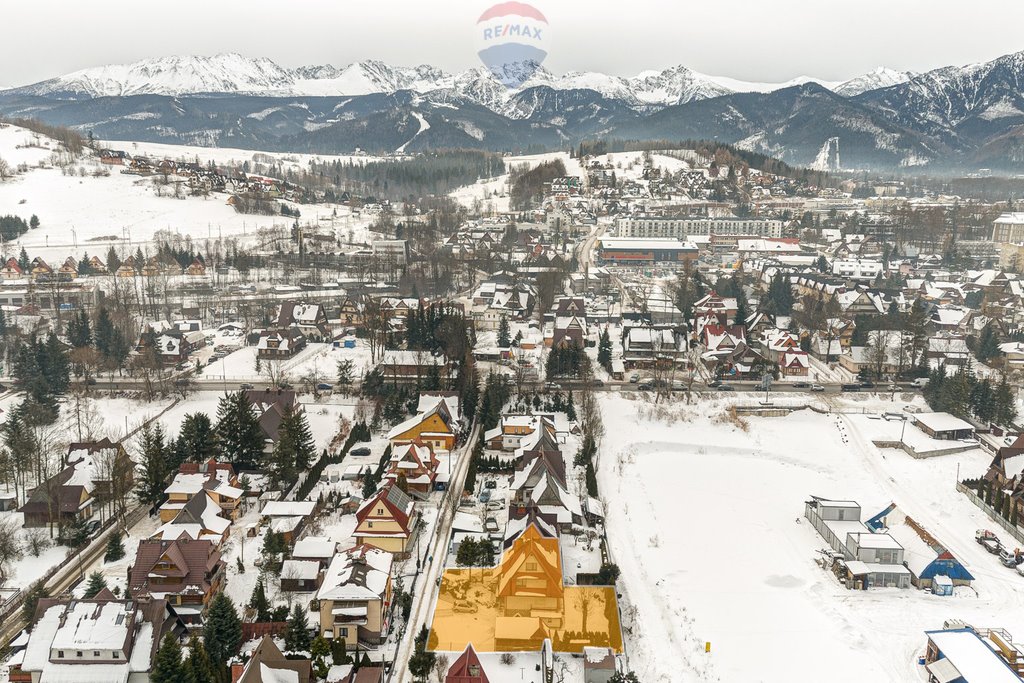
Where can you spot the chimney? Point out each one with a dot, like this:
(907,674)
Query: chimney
(236,672)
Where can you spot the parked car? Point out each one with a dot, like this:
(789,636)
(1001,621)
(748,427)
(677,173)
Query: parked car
(634,378)
(485,496)
(92,527)
(1010,558)
(919,382)
(495,505)
(817,387)
(490,484)
(490,524)
(362,450)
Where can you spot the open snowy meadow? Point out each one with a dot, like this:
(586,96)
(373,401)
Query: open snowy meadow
(705,520)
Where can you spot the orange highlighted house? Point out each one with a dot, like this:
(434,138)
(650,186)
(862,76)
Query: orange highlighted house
(521,602)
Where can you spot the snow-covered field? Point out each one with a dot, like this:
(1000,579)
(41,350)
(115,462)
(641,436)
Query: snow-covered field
(484,190)
(86,213)
(230,155)
(706,523)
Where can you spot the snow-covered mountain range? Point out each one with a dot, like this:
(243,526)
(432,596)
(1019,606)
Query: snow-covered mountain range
(953,118)
(236,74)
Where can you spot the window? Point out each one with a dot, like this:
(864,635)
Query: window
(60,654)
(117,655)
(78,654)
(344,633)
(369,525)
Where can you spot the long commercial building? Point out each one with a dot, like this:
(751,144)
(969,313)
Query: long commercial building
(625,251)
(680,227)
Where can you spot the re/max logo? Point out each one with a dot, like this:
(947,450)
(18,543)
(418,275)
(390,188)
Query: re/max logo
(512,30)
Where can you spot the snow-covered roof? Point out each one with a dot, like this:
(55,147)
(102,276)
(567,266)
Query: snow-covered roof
(973,658)
(288,508)
(359,573)
(942,422)
(314,546)
(303,570)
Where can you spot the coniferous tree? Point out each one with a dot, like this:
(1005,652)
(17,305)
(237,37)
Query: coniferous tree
(198,668)
(79,330)
(115,548)
(467,553)
(167,665)
(296,636)
(591,477)
(222,631)
(197,438)
(504,335)
(259,602)
(152,482)
(238,431)
(96,583)
(604,351)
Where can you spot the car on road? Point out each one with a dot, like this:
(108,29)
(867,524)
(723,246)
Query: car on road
(323,386)
(817,387)
(646,385)
(919,382)
(714,384)
(849,387)
(92,527)
(867,384)
(726,387)
(801,385)
(246,386)
(284,385)
(552,385)
(597,382)
(362,450)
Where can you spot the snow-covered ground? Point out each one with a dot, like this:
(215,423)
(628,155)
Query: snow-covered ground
(89,213)
(321,359)
(705,520)
(230,156)
(493,192)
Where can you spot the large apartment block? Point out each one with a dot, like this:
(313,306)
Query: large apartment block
(676,226)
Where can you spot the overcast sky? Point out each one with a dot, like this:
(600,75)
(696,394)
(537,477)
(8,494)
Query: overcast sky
(754,40)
